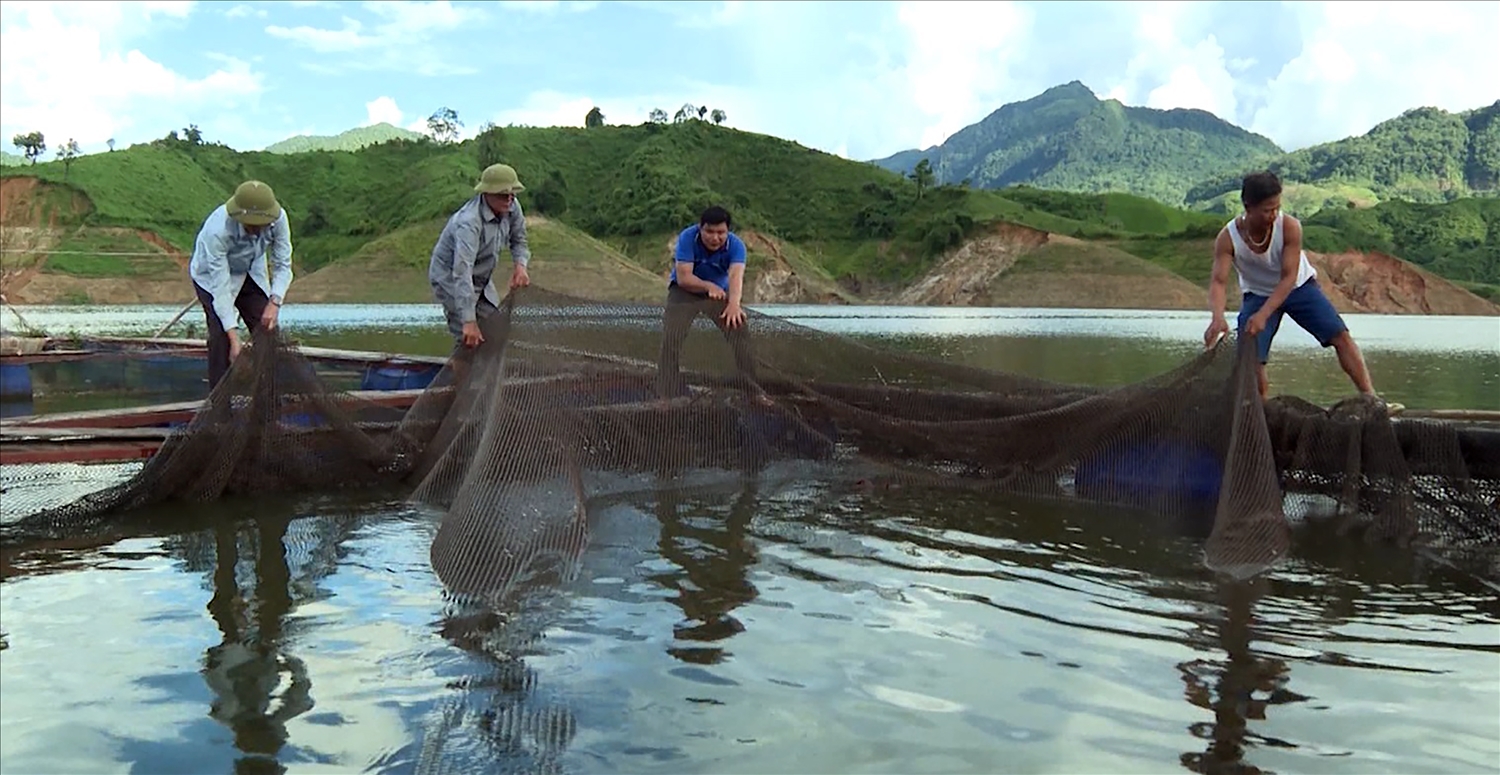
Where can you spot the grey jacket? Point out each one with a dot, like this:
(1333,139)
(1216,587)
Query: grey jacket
(467,252)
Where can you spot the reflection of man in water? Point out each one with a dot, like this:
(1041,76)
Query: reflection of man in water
(708,277)
(245,670)
(713,558)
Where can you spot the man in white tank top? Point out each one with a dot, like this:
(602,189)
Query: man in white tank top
(1264,246)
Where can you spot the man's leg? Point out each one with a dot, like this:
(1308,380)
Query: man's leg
(744,354)
(218,340)
(1249,305)
(251,303)
(1312,310)
(676,321)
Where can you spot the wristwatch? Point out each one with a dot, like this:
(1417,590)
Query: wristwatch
(276,300)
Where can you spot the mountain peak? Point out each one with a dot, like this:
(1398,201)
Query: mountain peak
(1075,89)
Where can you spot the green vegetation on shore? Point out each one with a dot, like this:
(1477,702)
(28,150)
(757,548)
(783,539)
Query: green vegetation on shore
(627,189)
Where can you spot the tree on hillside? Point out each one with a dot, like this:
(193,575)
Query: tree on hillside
(443,125)
(922,176)
(657,116)
(685,112)
(489,146)
(31,144)
(718,116)
(192,135)
(66,153)
(551,196)
(594,119)
(702,109)
(111,143)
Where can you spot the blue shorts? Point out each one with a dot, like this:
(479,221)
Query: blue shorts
(1308,307)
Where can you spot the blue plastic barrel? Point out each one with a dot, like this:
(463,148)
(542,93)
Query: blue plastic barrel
(15,382)
(399,376)
(1147,472)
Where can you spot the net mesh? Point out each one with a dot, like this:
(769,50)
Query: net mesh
(564,399)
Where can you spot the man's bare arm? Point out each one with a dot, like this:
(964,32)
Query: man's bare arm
(1219,279)
(736,283)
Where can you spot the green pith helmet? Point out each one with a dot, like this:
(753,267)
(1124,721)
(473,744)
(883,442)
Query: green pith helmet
(499,179)
(253,204)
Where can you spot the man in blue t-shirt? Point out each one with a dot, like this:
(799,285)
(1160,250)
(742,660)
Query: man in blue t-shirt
(708,276)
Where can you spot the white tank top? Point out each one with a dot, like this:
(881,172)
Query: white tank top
(1260,272)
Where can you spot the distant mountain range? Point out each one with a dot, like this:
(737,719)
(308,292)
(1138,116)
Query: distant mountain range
(1068,139)
(351,140)
(7,158)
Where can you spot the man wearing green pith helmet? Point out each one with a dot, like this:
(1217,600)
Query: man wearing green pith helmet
(468,250)
(236,242)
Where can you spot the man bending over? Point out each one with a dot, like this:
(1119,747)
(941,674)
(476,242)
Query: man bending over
(708,276)
(1264,245)
(468,250)
(236,242)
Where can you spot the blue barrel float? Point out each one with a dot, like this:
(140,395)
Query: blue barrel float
(399,375)
(1148,473)
(15,389)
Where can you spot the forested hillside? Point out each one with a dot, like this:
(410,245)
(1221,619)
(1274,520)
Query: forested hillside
(849,229)
(1066,138)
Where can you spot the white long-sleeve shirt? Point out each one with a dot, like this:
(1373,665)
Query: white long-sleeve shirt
(467,252)
(225,254)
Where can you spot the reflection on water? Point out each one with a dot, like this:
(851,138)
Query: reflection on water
(752,624)
(771,623)
(246,668)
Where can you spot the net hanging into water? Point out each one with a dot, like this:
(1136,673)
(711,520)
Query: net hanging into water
(512,438)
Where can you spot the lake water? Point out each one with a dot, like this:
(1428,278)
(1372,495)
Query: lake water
(765,625)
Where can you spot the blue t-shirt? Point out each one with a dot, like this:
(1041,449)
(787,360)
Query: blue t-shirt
(710,267)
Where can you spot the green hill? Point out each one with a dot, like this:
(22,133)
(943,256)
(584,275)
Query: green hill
(1066,138)
(1425,155)
(351,140)
(9,159)
(612,197)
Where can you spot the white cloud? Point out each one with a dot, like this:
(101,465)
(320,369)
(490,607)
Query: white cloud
(402,37)
(243,11)
(550,108)
(959,59)
(546,6)
(727,13)
(1363,63)
(67,70)
(1171,70)
(382,110)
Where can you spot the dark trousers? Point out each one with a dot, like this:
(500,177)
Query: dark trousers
(251,303)
(683,307)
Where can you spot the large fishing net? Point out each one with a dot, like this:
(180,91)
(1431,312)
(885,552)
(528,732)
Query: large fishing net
(564,401)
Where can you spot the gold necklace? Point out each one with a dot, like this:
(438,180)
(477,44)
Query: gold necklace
(1256,245)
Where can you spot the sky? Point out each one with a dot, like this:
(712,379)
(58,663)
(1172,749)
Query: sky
(862,80)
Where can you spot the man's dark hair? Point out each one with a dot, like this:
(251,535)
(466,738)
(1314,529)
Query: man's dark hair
(1257,187)
(714,216)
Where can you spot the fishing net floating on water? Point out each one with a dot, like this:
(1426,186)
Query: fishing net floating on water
(512,439)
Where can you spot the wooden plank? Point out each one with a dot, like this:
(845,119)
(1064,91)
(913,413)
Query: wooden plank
(68,356)
(42,433)
(1450,415)
(95,452)
(33,434)
(181,411)
(313,353)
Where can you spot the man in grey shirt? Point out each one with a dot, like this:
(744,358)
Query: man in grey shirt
(468,250)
